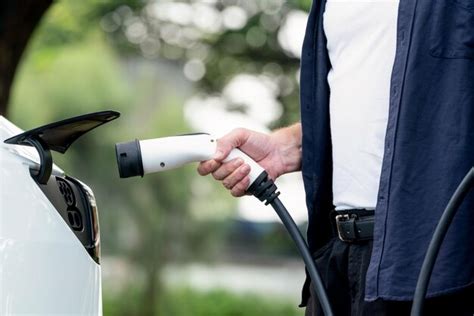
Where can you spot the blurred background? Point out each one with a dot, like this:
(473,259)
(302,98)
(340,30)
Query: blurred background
(173,243)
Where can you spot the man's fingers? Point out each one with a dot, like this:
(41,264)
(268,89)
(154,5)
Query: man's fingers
(208,166)
(227,168)
(235,177)
(234,173)
(240,188)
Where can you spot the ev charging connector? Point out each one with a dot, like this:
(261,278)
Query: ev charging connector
(140,157)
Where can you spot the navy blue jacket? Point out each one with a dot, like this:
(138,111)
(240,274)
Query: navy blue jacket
(429,147)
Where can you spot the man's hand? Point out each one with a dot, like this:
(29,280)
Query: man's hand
(278,153)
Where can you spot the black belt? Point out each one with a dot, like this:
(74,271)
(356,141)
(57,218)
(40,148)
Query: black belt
(354,225)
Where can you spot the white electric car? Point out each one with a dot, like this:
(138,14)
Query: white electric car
(49,233)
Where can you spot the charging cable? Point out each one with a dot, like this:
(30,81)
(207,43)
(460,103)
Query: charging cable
(435,244)
(265,190)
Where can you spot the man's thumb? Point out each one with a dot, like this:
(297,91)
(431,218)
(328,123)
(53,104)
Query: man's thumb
(228,142)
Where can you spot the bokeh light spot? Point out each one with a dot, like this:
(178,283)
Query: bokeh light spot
(234,17)
(194,69)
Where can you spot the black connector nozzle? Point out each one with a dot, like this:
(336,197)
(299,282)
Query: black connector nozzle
(129,159)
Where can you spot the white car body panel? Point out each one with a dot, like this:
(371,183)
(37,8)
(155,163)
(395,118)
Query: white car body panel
(44,268)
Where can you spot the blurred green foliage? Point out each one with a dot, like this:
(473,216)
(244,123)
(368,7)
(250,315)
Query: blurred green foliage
(154,31)
(186,302)
(77,78)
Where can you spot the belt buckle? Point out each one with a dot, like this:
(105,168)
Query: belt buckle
(342,218)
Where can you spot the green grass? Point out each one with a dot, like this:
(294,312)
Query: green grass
(188,302)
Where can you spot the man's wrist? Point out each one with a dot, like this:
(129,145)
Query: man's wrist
(288,141)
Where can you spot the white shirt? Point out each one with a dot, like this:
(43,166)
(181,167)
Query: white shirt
(361,40)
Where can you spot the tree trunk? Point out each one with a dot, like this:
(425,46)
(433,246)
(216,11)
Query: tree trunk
(18,19)
(152,291)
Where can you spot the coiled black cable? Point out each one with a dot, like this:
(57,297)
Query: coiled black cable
(435,244)
(266,191)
